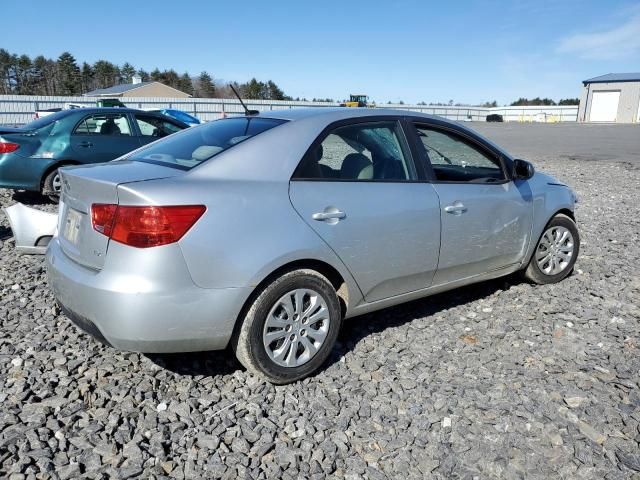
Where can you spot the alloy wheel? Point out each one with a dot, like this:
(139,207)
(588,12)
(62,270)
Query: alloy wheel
(296,327)
(555,250)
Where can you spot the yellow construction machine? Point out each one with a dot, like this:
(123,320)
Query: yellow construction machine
(357,100)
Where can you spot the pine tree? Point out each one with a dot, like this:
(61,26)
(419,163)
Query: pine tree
(184,84)
(144,75)
(206,87)
(68,75)
(127,71)
(106,74)
(275,93)
(87,75)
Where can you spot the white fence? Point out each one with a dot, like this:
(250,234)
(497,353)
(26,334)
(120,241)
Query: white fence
(20,109)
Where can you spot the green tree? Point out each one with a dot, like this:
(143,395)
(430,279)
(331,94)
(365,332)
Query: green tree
(86,76)
(275,93)
(532,102)
(105,73)
(127,71)
(69,81)
(255,90)
(206,87)
(144,75)
(185,84)
(569,101)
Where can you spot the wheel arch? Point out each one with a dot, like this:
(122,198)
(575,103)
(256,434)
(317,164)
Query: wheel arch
(535,238)
(563,211)
(51,168)
(336,279)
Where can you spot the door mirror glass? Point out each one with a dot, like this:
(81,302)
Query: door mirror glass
(522,170)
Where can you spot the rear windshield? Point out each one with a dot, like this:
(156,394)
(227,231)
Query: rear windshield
(195,145)
(46,120)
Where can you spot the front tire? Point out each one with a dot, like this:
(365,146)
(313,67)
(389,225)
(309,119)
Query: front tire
(556,252)
(290,328)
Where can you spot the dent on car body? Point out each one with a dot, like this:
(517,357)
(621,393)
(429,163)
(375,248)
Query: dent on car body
(32,229)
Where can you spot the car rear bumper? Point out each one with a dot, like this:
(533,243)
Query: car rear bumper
(135,313)
(22,173)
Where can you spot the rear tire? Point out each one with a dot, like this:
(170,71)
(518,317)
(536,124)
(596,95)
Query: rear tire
(290,328)
(555,253)
(52,186)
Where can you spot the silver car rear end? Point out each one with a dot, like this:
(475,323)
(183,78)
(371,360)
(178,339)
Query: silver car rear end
(153,307)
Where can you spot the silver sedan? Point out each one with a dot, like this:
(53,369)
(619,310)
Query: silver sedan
(264,232)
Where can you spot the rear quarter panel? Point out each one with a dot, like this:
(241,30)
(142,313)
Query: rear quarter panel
(249,230)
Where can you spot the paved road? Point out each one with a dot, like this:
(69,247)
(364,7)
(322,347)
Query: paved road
(566,140)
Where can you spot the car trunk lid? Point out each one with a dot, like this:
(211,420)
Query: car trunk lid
(84,186)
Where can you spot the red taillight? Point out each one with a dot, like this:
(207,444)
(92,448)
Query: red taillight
(144,227)
(8,147)
(102,216)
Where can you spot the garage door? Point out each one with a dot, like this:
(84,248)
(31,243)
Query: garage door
(604,106)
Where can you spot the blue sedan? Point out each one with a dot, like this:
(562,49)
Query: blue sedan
(30,156)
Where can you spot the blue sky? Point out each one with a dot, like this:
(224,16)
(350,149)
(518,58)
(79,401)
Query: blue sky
(410,50)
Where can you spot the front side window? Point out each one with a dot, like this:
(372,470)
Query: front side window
(104,124)
(454,159)
(373,151)
(193,146)
(155,127)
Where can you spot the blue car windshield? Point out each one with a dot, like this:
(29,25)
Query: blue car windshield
(193,146)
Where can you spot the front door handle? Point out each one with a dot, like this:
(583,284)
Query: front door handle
(457,208)
(86,144)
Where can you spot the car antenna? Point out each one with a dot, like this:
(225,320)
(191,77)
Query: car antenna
(247,112)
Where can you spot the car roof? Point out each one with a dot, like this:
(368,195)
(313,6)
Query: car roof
(89,110)
(331,114)
(105,110)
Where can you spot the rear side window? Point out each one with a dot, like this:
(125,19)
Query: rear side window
(369,151)
(195,145)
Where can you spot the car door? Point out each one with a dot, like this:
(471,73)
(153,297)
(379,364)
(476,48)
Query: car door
(151,127)
(101,137)
(357,188)
(485,216)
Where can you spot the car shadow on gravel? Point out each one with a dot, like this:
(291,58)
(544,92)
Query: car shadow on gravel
(30,198)
(223,362)
(5,233)
(208,364)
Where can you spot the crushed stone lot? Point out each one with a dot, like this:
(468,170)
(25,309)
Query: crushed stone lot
(498,380)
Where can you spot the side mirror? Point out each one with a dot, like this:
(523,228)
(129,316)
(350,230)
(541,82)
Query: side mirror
(522,170)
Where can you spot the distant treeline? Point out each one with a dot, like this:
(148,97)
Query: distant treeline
(23,75)
(518,103)
(524,102)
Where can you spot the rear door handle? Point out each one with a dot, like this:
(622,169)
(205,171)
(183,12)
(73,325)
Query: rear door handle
(320,216)
(457,208)
(86,144)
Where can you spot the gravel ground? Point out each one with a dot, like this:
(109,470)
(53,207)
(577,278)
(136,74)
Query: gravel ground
(498,380)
